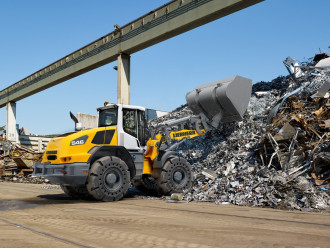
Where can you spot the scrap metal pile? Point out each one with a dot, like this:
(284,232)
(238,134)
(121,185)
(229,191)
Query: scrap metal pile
(16,163)
(279,155)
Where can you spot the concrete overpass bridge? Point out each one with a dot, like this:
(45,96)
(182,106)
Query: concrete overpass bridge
(169,20)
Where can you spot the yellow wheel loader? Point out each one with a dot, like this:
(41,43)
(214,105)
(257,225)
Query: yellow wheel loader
(101,163)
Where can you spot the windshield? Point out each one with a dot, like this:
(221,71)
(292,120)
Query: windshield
(108,117)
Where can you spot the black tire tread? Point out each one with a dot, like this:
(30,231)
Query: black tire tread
(95,185)
(165,183)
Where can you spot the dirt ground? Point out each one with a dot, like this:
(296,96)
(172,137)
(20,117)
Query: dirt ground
(34,215)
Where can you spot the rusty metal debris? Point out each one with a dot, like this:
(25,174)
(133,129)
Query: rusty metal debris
(279,155)
(17,160)
(300,129)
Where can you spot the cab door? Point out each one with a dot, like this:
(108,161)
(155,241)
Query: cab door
(142,127)
(134,124)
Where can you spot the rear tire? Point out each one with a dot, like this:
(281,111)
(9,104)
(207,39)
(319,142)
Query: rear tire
(77,192)
(108,179)
(176,176)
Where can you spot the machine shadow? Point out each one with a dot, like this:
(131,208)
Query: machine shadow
(61,198)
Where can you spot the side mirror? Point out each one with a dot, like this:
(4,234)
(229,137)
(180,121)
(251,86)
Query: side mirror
(79,126)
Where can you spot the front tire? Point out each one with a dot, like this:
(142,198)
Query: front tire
(108,179)
(176,176)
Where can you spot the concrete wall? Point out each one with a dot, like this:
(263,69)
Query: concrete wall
(88,121)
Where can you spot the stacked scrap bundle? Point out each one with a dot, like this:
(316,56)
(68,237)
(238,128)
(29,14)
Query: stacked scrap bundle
(279,164)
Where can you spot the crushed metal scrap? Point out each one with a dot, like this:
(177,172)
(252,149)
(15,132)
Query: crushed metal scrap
(279,155)
(16,163)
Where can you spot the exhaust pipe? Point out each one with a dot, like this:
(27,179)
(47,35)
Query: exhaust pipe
(77,125)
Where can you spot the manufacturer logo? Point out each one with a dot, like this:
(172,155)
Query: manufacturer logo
(176,135)
(79,141)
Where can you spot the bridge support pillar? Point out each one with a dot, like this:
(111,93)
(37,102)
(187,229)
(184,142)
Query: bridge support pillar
(11,130)
(123,80)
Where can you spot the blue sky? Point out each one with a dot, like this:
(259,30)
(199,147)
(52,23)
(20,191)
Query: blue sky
(251,43)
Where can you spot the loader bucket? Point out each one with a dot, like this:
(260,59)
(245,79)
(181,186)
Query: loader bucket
(229,96)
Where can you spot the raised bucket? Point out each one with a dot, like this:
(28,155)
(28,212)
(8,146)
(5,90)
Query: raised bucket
(230,96)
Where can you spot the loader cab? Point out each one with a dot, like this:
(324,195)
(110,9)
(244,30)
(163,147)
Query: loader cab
(129,121)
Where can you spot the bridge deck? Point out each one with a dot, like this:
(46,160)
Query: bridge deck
(167,21)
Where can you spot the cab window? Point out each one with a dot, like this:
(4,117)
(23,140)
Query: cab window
(129,122)
(141,127)
(108,117)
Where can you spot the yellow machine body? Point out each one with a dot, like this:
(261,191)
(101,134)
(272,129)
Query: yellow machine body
(63,150)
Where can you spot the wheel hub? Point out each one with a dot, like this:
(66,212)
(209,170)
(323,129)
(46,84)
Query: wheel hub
(111,178)
(177,176)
